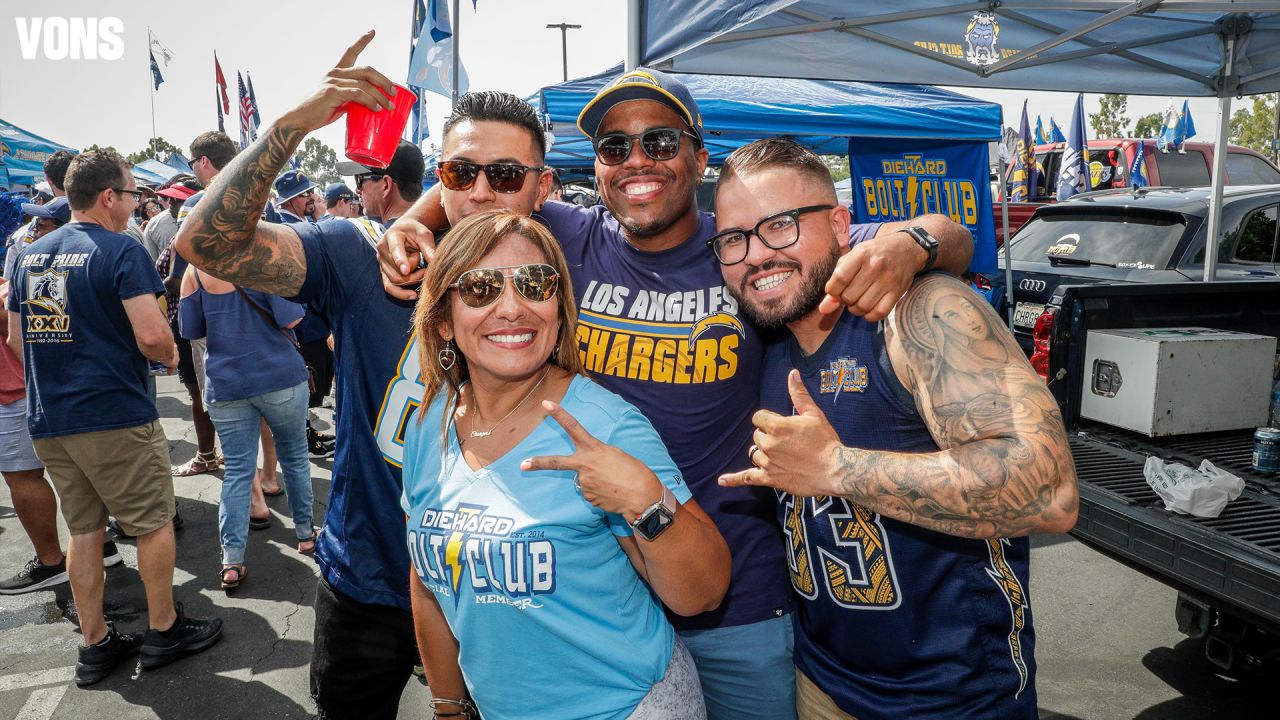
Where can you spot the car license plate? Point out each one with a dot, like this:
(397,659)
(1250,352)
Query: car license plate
(1025,314)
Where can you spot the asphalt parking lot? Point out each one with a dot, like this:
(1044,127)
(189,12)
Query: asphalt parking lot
(1107,643)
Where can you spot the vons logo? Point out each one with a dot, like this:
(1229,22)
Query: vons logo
(59,38)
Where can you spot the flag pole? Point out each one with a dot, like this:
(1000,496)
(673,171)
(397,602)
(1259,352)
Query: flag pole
(151,83)
(457,26)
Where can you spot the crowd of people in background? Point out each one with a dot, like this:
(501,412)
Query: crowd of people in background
(501,467)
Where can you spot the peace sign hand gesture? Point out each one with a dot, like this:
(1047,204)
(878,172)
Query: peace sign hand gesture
(608,478)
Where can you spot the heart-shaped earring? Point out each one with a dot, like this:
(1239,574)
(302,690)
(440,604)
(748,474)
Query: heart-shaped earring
(447,357)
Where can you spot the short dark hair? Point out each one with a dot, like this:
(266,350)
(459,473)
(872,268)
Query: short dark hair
(55,168)
(777,152)
(214,145)
(496,106)
(92,172)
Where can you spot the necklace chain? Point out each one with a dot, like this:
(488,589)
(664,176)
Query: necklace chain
(487,433)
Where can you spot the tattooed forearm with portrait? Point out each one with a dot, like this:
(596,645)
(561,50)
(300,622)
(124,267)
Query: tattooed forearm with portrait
(1004,467)
(223,235)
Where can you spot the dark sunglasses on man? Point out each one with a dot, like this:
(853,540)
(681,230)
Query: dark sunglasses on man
(506,178)
(658,143)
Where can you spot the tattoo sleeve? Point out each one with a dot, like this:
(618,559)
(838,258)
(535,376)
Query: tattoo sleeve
(223,235)
(1004,467)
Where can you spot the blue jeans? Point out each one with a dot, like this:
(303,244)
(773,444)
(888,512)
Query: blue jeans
(237,423)
(746,670)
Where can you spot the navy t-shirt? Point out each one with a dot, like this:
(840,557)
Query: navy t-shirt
(361,550)
(894,620)
(84,370)
(661,330)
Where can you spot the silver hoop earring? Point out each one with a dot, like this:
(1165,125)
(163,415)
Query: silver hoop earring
(447,357)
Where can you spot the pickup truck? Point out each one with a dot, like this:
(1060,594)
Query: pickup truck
(1111,159)
(1226,569)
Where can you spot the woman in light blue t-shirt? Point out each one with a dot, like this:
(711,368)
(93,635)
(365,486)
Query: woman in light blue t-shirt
(546,522)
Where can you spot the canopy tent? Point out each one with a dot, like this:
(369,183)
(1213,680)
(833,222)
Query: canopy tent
(820,114)
(23,154)
(153,172)
(1158,47)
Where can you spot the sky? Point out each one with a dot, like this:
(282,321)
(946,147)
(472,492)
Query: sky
(287,46)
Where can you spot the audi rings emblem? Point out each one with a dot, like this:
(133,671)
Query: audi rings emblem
(1032,285)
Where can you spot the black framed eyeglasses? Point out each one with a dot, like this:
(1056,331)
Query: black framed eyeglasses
(506,178)
(482,286)
(137,194)
(776,231)
(360,179)
(658,143)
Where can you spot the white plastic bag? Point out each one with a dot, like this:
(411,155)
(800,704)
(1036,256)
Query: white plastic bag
(1202,492)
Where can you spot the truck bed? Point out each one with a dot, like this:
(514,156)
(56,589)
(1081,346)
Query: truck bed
(1233,559)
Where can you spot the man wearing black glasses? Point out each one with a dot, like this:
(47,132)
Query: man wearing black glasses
(95,426)
(658,327)
(383,190)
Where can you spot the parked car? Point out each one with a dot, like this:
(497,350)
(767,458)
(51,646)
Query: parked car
(1111,159)
(1140,235)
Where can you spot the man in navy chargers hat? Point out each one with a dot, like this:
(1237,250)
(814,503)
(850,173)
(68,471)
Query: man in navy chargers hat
(296,200)
(340,202)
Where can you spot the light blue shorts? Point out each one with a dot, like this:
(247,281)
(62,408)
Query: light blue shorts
(16,451)
(746,670)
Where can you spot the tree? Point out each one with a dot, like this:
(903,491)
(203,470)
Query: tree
(96,146)
(1148,126)
(158,148)
(319,162)
(1109,121)
(838,165)
(1255,127)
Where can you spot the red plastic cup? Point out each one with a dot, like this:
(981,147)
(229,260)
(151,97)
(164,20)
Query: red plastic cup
(372,137)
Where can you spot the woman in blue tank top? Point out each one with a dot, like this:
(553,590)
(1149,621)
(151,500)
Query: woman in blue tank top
(254,374)
(547,524)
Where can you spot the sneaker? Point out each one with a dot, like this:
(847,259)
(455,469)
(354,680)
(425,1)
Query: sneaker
(187,636)
(97,661)
(35,577)
(111,556)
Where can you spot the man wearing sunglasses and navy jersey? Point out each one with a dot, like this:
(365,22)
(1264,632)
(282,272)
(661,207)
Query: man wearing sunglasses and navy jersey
(364,649)
(658,327)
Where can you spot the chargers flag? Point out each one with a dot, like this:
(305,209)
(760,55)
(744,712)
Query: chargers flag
(1178,126)
(418,122)
(897,179)
(431,65)
(1022,186)
(156,77)
(1188,126)
(1137,178)
(1073,176)
(1055,132)
(253,100)
(1042,137)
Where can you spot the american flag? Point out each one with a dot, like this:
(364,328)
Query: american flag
(248,123)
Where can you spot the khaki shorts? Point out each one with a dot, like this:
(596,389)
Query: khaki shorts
(122,472)
(813,704)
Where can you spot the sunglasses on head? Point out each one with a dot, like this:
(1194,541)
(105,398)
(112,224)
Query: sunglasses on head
(658,143)
(482,286)
(505,178)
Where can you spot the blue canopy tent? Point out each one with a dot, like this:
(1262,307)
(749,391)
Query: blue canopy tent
(23,154)
(820,114)
(1174,48)
(153,172)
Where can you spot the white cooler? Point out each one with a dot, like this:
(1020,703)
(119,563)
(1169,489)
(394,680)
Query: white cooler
(1175,381)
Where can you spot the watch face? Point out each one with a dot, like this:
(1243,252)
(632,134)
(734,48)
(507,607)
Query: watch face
(653,522)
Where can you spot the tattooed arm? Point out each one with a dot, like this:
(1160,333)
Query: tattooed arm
(1003,469)
(223,236)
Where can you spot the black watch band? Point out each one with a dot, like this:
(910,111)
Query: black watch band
(926,241)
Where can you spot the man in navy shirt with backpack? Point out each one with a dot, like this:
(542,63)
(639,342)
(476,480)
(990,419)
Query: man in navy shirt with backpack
(83,317)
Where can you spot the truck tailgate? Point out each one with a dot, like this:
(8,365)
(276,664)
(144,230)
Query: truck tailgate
(1234,558)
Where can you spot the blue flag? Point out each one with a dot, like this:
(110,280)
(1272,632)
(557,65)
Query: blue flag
(418,122)
(1174,130)
(1041,137)
(431,66)
(1023,184)
(1073,176)
(253,100)
(1188,127)
(1136,176)
(156,77)
(1055,132)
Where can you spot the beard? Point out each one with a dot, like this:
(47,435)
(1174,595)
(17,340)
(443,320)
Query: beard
(780,312)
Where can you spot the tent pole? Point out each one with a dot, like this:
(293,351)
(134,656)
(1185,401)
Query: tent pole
(633,35)
(151,84)
(457,61)
(1219,169)
(1008,259)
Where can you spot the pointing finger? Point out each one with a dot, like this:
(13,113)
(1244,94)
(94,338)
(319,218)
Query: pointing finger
(349,57)
(550,462)
(744,478)
(577,433)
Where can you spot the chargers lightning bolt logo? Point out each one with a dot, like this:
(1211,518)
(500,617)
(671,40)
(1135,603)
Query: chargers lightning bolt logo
(453,547)
(720,319)
(1011,588)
